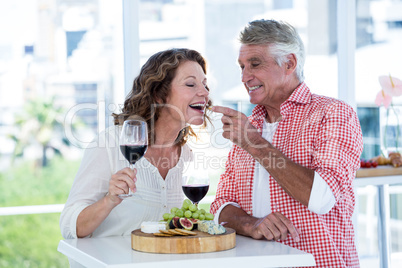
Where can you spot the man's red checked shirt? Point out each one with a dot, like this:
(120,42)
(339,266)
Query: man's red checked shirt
(322,134)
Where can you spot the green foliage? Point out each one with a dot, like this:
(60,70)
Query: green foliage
(25,185)
(32,240)
(40,123)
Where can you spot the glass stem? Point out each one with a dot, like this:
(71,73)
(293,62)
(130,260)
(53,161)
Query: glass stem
(129,189)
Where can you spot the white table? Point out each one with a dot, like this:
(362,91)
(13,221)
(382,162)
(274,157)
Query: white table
(381,177)
(116,252)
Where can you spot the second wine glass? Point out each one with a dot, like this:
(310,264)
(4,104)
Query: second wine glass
(195,185)
(133,143)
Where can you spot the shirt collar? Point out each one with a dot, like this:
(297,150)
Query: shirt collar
(301,95)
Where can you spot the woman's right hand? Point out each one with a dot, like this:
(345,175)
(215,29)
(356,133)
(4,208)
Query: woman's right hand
(120,183)
(92,216)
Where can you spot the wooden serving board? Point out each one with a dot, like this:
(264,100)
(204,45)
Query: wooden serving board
(202,242)
(379,171)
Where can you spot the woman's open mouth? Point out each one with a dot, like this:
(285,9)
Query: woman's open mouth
(198,106)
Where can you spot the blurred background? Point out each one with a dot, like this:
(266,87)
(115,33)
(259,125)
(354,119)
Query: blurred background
(66,65)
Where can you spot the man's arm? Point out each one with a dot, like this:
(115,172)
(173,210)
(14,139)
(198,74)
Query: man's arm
(295,179)
(335,159)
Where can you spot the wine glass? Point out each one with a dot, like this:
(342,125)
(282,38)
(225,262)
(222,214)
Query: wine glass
(195,184)
(133,143)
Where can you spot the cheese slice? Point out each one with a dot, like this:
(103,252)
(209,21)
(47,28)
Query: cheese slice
(211,227)
(151,227)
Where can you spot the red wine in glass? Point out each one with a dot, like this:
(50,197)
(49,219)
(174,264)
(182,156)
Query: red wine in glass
(195,192)
(133,153)
(133,143)
(195,184)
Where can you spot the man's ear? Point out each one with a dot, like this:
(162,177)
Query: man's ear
(291,63)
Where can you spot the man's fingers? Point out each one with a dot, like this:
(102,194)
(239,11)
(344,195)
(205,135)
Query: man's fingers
(226,111)
(293,231)
(276,228)
(227,120)
(261,230)
(267,233)
(280,232)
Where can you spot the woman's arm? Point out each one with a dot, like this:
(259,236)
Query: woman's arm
(93,195)
(92,216)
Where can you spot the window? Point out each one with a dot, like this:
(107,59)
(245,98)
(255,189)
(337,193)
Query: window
(378,43)
(61,66)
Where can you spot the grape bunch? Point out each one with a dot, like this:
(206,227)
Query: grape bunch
(189,211)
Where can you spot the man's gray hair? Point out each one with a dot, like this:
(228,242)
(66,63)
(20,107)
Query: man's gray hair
(282,39)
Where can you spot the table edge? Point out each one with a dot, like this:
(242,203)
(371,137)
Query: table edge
(304,259)
(80,257)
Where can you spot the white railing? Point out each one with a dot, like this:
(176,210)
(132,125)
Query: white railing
(54,208)
(22,210)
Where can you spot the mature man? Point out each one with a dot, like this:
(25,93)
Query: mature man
(291,167)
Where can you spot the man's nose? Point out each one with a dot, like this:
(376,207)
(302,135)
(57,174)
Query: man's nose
(246,75)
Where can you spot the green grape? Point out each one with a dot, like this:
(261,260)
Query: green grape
(171,215)
(173,210)
(201,217)
(186,204)
(209,216)
(196,215)
(192,208)
(166,216)
(202,211)
(179,213)
(188,214)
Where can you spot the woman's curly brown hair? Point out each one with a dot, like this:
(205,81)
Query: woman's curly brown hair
(152,87)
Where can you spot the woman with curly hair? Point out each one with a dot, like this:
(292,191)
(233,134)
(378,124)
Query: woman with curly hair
(170,93)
